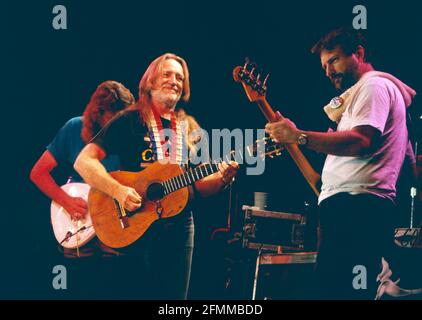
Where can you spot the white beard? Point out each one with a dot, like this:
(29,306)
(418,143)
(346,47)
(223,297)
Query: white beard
(168,99)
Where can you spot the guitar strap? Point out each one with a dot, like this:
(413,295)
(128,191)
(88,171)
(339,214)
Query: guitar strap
(158,139)
(338,105)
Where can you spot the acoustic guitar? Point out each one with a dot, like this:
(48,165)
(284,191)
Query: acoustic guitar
(164,190)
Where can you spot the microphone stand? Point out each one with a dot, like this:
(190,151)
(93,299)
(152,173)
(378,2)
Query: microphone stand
(413,193)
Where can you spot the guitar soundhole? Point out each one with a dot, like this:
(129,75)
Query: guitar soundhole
(155,191)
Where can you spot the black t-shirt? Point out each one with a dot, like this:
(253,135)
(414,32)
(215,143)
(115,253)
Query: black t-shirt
(126,136)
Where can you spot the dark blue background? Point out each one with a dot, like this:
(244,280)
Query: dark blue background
(49,75)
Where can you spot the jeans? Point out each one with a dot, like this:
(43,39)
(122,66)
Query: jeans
(356,232)
(161,259)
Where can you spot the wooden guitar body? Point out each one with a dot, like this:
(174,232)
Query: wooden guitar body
(117,228)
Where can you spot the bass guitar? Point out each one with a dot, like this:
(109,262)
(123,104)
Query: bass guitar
(255,87)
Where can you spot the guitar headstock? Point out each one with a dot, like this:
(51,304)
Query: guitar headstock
(261,148)
(265,147)
(255,86)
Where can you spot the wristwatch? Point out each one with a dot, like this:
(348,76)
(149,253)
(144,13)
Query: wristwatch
(302,139)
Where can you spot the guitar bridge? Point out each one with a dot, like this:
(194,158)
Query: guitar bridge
(159,209)
(124,221)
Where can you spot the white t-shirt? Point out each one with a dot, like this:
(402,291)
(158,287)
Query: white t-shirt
(379,104)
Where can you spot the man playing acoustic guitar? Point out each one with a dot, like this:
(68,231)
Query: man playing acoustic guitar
(165,250)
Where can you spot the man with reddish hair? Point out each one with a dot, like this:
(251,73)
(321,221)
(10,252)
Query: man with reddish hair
(109,98)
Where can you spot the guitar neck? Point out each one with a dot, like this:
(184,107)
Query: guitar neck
(199,172)
(266,109)
(311,176)
(189,177)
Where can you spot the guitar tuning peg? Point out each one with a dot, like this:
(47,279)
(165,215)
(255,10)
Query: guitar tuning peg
(251,72)
(265,80)
(246,63)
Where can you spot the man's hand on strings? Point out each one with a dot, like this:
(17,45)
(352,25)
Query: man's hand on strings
(228,171)
(76,207)
(128,198)
(283,131)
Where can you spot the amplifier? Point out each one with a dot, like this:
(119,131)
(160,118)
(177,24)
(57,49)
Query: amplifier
(276,231)
(408,237)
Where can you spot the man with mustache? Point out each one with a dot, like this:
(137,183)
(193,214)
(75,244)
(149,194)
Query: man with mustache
(165,251)
(364,158)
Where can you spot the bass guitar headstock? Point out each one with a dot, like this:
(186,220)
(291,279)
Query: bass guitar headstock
(254,84)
